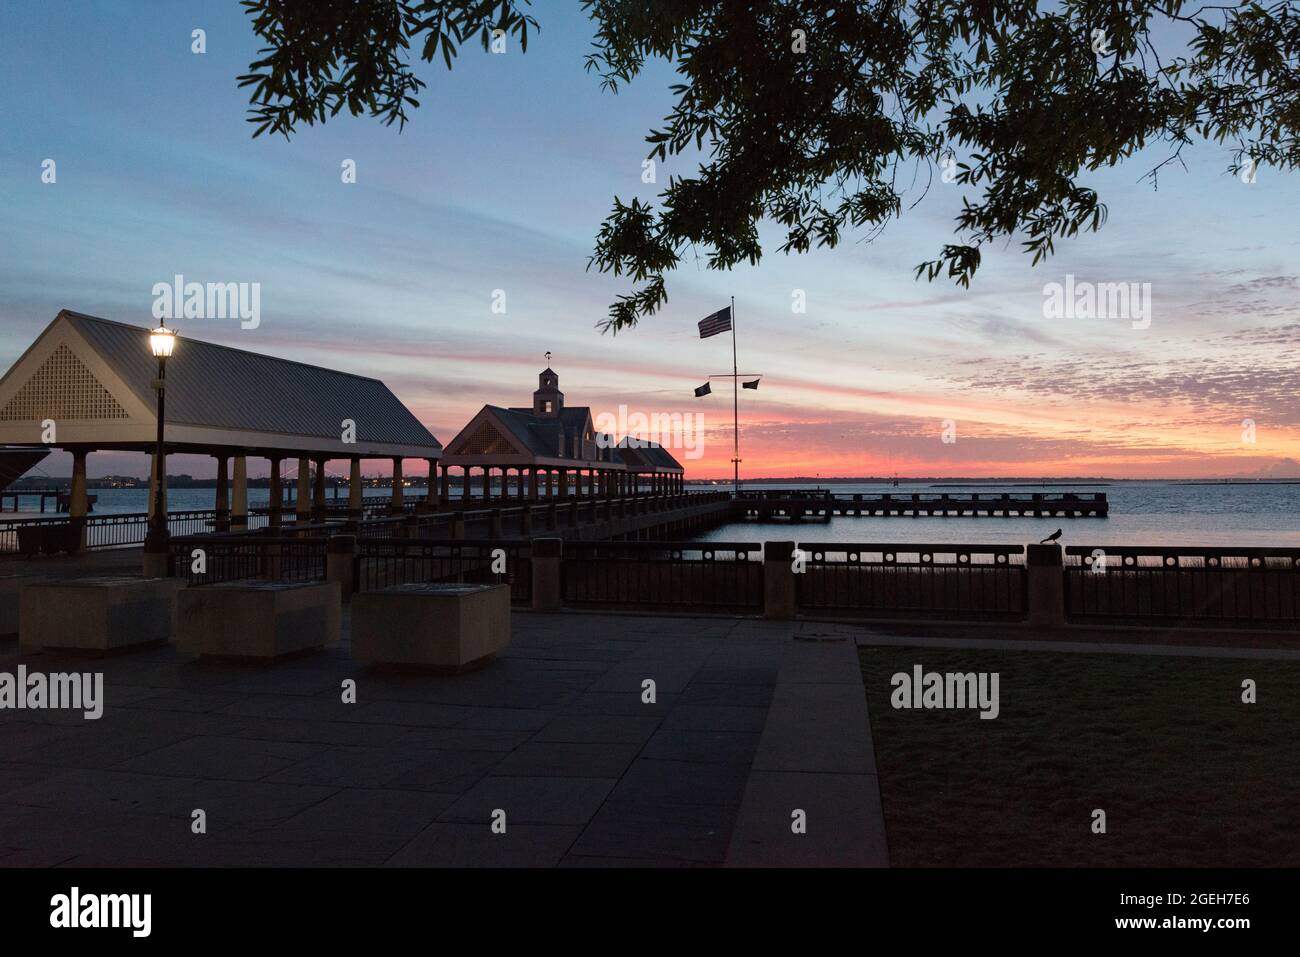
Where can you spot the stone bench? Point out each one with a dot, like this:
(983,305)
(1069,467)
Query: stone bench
(100,614)
(11,586)
(258,619)
(446,626)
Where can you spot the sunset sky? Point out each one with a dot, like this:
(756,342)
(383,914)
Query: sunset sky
(501,181)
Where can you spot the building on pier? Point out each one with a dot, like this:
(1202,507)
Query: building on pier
(93,380)
(551,450)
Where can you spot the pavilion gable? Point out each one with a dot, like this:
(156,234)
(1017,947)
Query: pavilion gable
(487,434)
(63,379)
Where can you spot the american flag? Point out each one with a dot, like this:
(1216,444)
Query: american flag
(720,321)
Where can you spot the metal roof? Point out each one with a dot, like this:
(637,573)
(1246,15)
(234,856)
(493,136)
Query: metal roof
(16,462)
(221,387)
(546,435)
(644,455)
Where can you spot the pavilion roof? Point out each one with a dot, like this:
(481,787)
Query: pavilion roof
(97,376)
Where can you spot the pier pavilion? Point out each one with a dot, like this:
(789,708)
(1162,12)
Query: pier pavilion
(88,384)
(551,451)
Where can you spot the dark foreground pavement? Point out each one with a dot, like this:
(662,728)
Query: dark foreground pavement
(555,733)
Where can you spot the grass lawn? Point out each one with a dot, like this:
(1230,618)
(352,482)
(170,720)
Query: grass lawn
(1187,774)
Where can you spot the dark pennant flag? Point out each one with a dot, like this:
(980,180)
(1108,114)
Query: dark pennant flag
(720,321)
(752,384)
(703,390)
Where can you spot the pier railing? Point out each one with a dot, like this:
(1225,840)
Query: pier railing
(47,536)
(801,503)
(479,518)
(207,560)
(1216,587)
(379,563)
(708,576)
(966,582)
(1043,586)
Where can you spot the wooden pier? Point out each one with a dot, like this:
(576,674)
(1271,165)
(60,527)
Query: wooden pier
(803,505)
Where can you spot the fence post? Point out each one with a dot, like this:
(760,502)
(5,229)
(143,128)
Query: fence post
(495,531)
(339,565)
(778,580)
(457,525)
(525,520)
(551,518)
(573,514)
(547,561)
(1046,584)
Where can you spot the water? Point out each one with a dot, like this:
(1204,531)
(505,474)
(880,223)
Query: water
(1141,513)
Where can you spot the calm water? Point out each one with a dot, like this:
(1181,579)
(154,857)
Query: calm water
(1141,513)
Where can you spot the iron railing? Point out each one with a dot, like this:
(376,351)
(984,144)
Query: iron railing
(707,576)
(379,563)
(901,580)
(30,536)
(1253,587)
(208,559)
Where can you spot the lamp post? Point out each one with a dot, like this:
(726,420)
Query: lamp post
(161,343)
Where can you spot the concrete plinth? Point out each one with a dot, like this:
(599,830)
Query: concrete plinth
(250,619)
(778,580)
(1046,586)
(10,587)
(96,614)
(437,625)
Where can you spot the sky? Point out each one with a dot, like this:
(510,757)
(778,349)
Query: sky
(500,182)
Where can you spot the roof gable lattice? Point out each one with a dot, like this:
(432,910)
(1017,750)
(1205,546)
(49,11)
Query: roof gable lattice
(62,388)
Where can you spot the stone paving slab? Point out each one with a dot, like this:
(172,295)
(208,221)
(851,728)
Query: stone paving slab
(555,732)
(814,766)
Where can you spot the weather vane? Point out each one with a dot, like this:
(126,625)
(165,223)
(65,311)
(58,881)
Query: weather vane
(548,358)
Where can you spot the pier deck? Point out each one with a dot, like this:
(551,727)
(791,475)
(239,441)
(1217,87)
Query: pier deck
(804,505)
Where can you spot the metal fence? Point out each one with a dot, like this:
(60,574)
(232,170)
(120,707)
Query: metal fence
(886,580)
(709,576)
(35,536)
(379,563)
(1256,587)
(208,559)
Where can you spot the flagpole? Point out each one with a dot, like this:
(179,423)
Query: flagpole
(735,398)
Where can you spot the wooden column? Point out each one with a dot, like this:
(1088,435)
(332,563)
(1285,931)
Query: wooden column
(432,493)
(239,494)
(564,484)
(487,483)
(78,503)
(275,516)
(396,503)
(355,490)
(302,497)
(318,493)
(222,505)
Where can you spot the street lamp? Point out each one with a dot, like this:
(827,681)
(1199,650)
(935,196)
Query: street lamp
(161,343)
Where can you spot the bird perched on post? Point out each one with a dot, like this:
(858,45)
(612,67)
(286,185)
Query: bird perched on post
(1051,538)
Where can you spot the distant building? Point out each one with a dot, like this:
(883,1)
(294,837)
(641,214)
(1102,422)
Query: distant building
(553,450)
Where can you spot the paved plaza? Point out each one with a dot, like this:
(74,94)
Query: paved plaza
(556,733)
